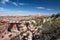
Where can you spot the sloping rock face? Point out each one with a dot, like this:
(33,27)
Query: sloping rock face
(48,31)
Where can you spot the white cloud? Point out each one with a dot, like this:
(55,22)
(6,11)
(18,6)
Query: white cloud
(49,9)
(4,1)
(15,3)
(21,4)
(1,9)
(44,8)
(40,7)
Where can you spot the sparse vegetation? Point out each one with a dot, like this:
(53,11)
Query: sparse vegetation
(49,30)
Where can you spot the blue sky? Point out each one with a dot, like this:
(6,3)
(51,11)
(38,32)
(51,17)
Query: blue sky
(29,6)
